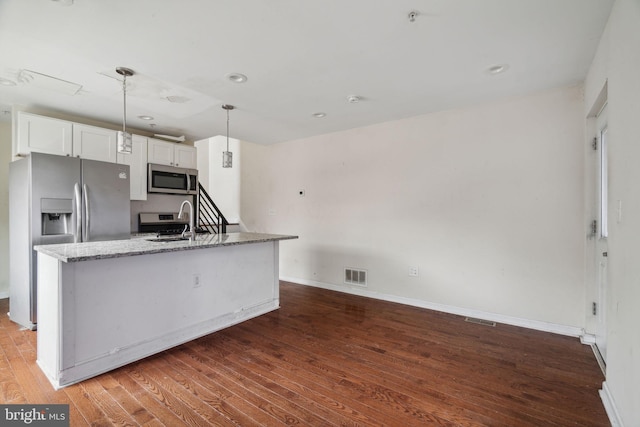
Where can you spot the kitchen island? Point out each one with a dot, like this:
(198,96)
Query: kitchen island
(102,305)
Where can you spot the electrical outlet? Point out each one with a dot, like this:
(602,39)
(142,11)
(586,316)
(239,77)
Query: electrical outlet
(196,280)
(413,271)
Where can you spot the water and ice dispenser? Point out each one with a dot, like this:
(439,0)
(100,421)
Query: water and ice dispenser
(56,216)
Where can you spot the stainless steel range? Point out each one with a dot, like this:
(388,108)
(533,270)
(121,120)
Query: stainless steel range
(161,223)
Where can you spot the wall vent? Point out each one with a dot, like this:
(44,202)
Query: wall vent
(480,321)
(355,276)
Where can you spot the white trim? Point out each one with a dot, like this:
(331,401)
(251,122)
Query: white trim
(599,359)
(610,406)
(538,325)
(587,339)
(4,295)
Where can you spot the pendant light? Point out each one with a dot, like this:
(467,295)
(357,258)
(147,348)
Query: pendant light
(227,156)
(125,145)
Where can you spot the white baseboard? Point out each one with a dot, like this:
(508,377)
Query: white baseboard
(599,359)
(610,406)
(4,295)
(85,369)
(587,339)
(498,318)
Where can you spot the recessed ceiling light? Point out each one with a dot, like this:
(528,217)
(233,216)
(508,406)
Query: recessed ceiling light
(497,69)
(319,115)
(354,99)
(236,77)
(145,117)
(7,82)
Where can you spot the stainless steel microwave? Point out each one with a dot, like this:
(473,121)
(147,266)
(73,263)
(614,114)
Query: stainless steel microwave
(172,180)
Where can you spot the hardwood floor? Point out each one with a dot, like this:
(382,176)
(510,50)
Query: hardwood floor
(327,358)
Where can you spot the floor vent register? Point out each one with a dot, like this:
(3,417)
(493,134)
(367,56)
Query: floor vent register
(480,321)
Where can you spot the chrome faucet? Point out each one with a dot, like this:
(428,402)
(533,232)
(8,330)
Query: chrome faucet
(191,233)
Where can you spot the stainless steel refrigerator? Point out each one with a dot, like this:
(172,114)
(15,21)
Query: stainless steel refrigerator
(57,199)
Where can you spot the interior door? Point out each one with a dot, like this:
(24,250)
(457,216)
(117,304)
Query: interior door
(602,232)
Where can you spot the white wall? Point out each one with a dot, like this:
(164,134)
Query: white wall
(222,184)
(486,202)
(617,63)
(5,158)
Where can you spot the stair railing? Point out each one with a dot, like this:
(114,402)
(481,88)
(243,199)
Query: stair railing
(209,216)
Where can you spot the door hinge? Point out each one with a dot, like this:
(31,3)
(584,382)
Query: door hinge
(594,308)
(594,227)
(594,144)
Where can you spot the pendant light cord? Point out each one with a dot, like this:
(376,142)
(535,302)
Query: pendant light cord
(124,116)
(227,130)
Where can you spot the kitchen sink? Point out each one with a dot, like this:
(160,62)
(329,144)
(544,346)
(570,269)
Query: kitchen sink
(167,239)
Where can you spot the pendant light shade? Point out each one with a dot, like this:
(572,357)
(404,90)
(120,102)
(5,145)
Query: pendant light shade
(227,156)
(125,145)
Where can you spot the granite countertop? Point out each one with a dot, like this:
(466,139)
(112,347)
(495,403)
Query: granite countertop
(140,245)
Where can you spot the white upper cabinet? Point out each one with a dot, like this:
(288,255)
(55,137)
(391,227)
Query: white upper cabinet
(63,138)
(161,152)
(171,154)
(94,143)
(185,156)
(54,136)
(137,161)
(43,135)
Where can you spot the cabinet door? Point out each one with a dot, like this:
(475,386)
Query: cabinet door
(43,135)
(137,162)
(94,143)
(161,152)
(185,156)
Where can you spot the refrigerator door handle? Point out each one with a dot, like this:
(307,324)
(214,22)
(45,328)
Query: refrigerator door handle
(77,236)
(87,217)
(188,182)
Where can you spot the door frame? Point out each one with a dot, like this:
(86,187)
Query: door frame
(600,253)
(596,272)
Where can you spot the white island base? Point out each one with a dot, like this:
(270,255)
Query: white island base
(99,314)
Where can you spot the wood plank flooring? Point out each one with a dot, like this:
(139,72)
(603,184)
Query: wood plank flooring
(326,358)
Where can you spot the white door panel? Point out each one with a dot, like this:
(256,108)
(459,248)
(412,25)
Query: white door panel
(601,246)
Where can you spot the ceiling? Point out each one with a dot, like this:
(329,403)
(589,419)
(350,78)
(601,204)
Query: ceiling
(300,57)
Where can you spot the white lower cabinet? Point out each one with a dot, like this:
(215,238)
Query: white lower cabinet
(137,162)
